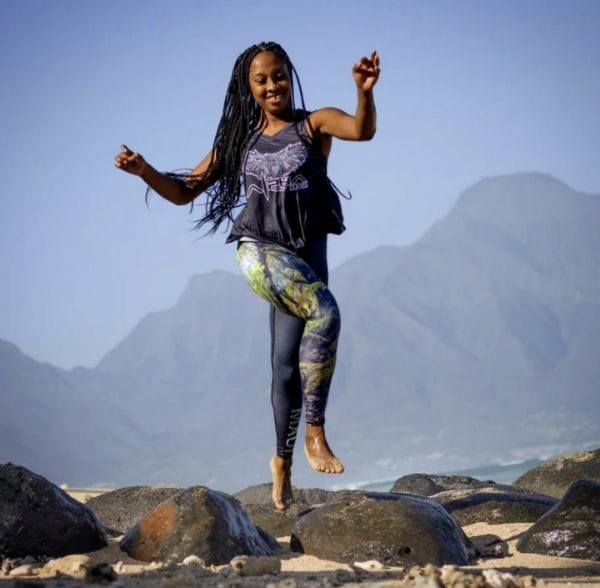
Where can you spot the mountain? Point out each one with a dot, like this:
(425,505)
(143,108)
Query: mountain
(477,343)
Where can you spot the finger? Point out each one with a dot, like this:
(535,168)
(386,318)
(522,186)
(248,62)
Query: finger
(126,149)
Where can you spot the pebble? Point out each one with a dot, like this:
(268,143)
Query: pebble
(496,579)
(71,565)
(246,565)
(193,560)
(371,565)
(23,570)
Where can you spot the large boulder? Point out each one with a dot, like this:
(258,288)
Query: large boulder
(261,494)
(395,529)
(555,476)
(37,518)
(496,504)
(429,484)
(258,504)
(197,521)
(120,509)
(571,528)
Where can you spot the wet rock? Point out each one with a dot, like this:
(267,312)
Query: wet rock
(496,504)
(277,524)
(569,529)
(38,518)
(429,484)
(555,476)
(121,509)
(255,566)
(197,521)
(261,494)
(257,503)
(395,529)
(490,546)
(100,573)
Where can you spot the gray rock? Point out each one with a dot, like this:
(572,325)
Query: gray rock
(261,494)
(277,524)
(38,518)
(571,528)
(555,476)
(121,509)
(395,529)
(495,504)
(197,521)
(429,484)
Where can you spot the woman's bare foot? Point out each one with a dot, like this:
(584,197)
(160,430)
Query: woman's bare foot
(318,453)
(281,470)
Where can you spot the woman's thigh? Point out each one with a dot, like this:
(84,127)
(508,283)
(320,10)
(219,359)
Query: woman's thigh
(283,279)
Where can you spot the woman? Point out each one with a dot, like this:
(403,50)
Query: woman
(290,206)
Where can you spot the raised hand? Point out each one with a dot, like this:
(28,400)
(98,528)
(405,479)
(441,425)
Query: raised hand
(130,162)
(366,72)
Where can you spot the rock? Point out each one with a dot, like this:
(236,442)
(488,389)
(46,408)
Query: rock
(277,524)
(193,560)
(496,579)
(24,570)
(496,504)
(490,546)
(121,509)
(38,518)
(70,565)
(569,529)
(100,573)
(261,494)
(428,484)
(555,476)
(372,565)
(395,529)
(197,521)
(257,503)
(255,566)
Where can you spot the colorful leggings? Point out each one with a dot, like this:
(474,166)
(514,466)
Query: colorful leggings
(305,325)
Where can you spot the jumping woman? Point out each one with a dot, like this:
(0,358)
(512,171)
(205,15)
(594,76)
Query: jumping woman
(271,158)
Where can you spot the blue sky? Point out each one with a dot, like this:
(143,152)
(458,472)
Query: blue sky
(468,89)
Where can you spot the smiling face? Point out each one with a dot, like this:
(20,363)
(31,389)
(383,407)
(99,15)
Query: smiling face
(270,83)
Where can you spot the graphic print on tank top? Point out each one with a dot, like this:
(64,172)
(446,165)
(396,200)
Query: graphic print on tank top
(274,170)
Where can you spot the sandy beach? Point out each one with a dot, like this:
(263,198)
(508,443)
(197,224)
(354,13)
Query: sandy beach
(304,570)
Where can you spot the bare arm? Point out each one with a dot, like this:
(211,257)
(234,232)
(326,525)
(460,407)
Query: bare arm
(169,188)
(360,127)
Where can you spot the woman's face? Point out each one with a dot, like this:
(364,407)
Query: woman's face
(270,83)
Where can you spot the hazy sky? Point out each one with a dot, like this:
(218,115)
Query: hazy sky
(468,89)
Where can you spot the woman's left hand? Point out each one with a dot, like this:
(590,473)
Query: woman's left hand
(366,72)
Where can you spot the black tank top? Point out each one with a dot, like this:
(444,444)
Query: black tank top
(289,199)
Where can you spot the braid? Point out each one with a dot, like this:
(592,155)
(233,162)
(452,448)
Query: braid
(241,116)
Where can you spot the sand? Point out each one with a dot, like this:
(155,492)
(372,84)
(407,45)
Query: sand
(305,570)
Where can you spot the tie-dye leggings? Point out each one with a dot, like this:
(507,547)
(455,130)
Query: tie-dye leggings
(305,325)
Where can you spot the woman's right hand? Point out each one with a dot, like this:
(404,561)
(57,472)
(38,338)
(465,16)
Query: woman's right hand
(130,162)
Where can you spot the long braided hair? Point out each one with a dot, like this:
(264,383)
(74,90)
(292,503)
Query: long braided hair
(241,117)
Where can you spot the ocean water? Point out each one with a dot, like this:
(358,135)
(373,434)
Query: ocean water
(501,474)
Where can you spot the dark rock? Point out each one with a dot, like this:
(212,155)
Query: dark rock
(555,476)
(428,484)
(257,503)
(395,529)
(277,524)
(197,521)
(261,494)
(37,518)
(121,509)
(571,528)
(495,504)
